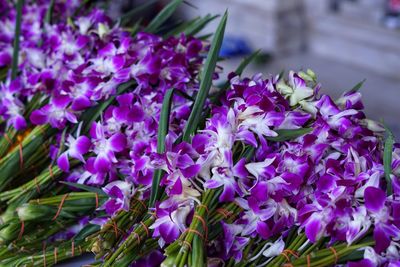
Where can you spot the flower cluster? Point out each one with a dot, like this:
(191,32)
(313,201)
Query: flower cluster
(284,154)
(329,181)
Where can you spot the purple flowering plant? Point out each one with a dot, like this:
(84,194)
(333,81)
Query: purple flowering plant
(112,142)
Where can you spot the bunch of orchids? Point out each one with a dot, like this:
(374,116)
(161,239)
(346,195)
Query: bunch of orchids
(120,139)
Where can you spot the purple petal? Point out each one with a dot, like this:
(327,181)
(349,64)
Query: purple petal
(102,164)
(212,184)
(169,232)
(260,191)
(313,229)
(228,194)
(81,103)
(63,162)
(191,171)
(118,142)
(374,199)
(38,117)
(263,230)
(382,241)
(112,206)
(361,263)
(19,122)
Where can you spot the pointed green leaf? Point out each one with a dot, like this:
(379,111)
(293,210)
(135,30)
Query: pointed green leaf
(49,12)
(85,187)
(357,86)
(200,25)
(285,135)
(162,133)
(163,16)
(14,66)
(205,80)
(387,161)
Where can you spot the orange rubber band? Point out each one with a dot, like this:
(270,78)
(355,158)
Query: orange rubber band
(308,261)
(293,253)
(115,229)
(60,206)
(203,222)
(285,255)
(334,253)
(8,139)
(51,171)
(37,185)
(73,248)
(142,203)
(21,156)
(137,237)
(204,206)
(195,232)
(224,212)
(187,244)
(97,200)
(55,255)
(146,229)
(21,231)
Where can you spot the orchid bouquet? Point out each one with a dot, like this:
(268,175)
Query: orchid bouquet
(120,139)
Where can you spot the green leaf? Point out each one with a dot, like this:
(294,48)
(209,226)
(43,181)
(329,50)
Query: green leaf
(163,16)
(387,161)
(85,188)
(162,133)
(49,12)
(205,80)
(14,66)
(285,135)
(136,13)
(197,27)
(86,231)
(357,86)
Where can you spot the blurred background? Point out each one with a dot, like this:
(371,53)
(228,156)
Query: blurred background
(343,41)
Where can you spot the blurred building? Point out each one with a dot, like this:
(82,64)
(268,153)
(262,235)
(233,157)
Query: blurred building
(358,32)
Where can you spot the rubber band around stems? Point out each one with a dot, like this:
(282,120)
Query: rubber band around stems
(37,185)
(60,206)
(224,212)
(334,253)
(51,171)
(137,237)
(73,248)
(8,139)
(293,253)
(21,156)
(203,222)
(308,260)
(115,229)
(285,255)
(187,244)
(145,228)
(205,207)
(189,230)
(97,200)
(55,255)
(21,231)
(142,203)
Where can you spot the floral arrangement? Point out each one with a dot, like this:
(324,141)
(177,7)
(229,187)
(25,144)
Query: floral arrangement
(118,139)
